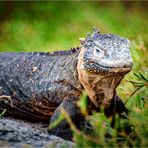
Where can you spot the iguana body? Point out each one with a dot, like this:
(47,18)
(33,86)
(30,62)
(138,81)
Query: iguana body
(39,84)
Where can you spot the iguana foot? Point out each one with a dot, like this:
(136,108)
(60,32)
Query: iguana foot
(63,128)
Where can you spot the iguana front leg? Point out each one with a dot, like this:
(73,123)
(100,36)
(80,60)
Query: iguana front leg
(116,107)
(63,129)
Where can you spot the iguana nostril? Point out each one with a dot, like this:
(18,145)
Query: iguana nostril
(131,64)
(128,64)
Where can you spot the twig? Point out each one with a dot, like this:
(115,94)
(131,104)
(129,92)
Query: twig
(8,98)
(135,90)
(133,93)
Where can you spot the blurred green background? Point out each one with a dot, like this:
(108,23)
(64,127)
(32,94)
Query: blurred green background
(48,26)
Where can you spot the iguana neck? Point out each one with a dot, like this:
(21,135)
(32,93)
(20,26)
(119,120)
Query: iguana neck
(99,87)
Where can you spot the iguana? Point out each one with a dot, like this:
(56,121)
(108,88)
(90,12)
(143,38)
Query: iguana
(35,86)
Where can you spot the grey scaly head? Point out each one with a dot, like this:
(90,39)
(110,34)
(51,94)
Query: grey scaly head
(106,53)
(103,61)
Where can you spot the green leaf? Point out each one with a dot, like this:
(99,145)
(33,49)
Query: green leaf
(56,122)
(142,104)
(3,112)
(83,103)
(143,77)
(138,76)
(137,83)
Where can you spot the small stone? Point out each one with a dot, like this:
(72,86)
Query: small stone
(34,69)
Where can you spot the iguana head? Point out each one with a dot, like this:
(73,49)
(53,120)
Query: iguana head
(103,61)
(106,53)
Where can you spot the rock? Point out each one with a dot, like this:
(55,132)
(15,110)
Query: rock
(17,133)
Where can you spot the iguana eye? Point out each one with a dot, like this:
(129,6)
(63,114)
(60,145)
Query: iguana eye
(97,50)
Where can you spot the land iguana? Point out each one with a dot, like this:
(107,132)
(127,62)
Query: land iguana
(35,86)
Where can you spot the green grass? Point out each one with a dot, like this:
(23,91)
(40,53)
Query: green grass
(49,26)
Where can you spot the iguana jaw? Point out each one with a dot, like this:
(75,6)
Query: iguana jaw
(111,70)
(120,70)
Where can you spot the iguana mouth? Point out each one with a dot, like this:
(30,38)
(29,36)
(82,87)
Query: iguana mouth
(121,69)
(125,68)
(111,70)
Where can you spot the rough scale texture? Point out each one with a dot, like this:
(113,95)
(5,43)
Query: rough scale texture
(37,82)
(35,86)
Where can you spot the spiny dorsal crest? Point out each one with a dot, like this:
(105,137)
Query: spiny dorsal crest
(89,36)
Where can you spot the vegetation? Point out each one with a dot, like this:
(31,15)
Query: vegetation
(48,26)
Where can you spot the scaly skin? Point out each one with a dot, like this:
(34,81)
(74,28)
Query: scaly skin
(37,82)
(35,86)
